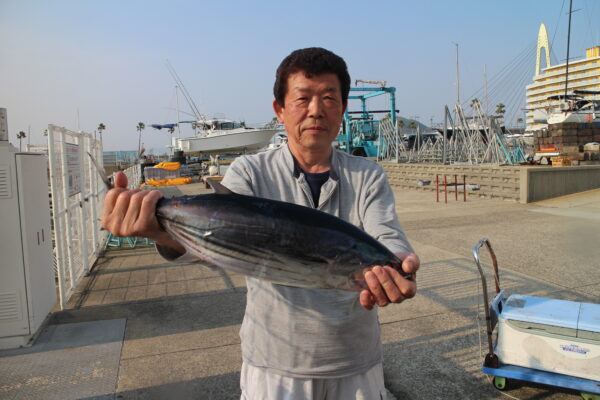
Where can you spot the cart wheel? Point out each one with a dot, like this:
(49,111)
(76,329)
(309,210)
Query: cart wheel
(500,382)
(589,396)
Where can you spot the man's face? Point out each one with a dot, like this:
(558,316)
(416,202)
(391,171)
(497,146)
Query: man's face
(312,111)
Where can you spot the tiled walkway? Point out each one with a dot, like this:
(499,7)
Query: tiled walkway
(125,274)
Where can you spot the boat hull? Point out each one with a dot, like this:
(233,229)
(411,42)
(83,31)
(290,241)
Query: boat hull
(236,141)
(573,117)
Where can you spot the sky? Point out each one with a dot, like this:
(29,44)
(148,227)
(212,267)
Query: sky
(78,63)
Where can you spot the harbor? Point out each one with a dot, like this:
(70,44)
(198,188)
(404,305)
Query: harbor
(408,211)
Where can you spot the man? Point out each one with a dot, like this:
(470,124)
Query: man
(304,343)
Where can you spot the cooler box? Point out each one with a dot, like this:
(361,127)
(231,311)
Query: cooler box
(551,335)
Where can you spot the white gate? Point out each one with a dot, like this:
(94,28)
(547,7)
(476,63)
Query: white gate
(77,199)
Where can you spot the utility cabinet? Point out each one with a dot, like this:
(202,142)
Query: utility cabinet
(27,283)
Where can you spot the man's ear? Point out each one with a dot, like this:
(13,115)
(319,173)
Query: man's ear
(278,111)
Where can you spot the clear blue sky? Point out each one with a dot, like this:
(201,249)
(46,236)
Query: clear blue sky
(106,59)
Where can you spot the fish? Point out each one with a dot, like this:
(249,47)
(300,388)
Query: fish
(281,242)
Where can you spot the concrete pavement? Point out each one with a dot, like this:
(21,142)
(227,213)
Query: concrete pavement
(181,339)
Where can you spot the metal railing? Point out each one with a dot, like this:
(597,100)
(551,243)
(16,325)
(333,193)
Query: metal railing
(77,200)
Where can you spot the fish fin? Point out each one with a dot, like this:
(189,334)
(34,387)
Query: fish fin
(217,187)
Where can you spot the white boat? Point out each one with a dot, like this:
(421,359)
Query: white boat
(223,136)
(576,110)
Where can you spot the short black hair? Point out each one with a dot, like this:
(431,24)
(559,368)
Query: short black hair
(312,61)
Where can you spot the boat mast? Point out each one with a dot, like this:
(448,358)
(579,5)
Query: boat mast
(457,77)
(177,105)
(568,45)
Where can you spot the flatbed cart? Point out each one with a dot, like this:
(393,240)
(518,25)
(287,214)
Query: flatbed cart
(541,340)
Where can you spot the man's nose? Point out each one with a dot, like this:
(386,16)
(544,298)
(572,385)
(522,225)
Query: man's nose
(315,108)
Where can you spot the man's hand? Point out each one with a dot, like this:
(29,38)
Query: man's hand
(386,285)
(132,213)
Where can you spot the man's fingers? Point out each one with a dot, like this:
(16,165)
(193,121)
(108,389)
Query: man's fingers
(367,300)
(410,263)
(390,285)
(372,280)
(407,288)
(120,180)
(117,216)
(148,210)
(109,204)
(130,221)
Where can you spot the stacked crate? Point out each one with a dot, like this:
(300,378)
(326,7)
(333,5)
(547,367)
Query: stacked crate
(569,139)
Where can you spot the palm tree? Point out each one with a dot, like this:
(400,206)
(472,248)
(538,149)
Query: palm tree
(500,108)
(21,135)
(412,125)
(519,121)
(140,127)
(101,127)
(474,102)
(400,124)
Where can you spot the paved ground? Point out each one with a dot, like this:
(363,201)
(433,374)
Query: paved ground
(181,339)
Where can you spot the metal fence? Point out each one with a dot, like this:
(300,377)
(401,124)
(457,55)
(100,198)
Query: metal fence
(77,200)
(134,176)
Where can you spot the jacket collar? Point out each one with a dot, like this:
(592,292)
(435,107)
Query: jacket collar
(295,169)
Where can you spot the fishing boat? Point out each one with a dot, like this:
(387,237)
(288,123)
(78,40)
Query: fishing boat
(216,136)
(223,136)
(576,108)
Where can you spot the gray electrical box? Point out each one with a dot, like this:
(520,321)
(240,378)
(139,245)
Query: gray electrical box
(27,283)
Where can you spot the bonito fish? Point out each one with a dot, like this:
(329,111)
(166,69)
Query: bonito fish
(281,242)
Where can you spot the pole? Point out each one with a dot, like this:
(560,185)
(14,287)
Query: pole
(455,188)
(445,190)
(465,188)
(568,45)
(437,191)
(444,137)
(457,77)
(139,142)
(177,101)
(487,103)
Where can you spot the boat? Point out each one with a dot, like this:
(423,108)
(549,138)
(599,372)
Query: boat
(575,108)
(223,136)
(216,136)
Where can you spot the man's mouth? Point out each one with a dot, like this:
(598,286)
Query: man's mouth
(314,128)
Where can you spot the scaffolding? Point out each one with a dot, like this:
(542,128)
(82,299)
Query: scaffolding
(478,139)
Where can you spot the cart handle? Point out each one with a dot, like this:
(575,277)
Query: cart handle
(494,261)
(491,360)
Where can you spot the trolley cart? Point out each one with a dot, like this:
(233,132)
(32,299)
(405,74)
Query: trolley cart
(549,341)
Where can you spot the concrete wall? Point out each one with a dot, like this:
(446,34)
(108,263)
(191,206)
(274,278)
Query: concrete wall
(541,183)
(523,183)
(493,181)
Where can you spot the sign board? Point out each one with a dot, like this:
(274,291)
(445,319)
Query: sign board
(73,169)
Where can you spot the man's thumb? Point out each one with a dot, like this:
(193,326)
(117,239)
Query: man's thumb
(120,180)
